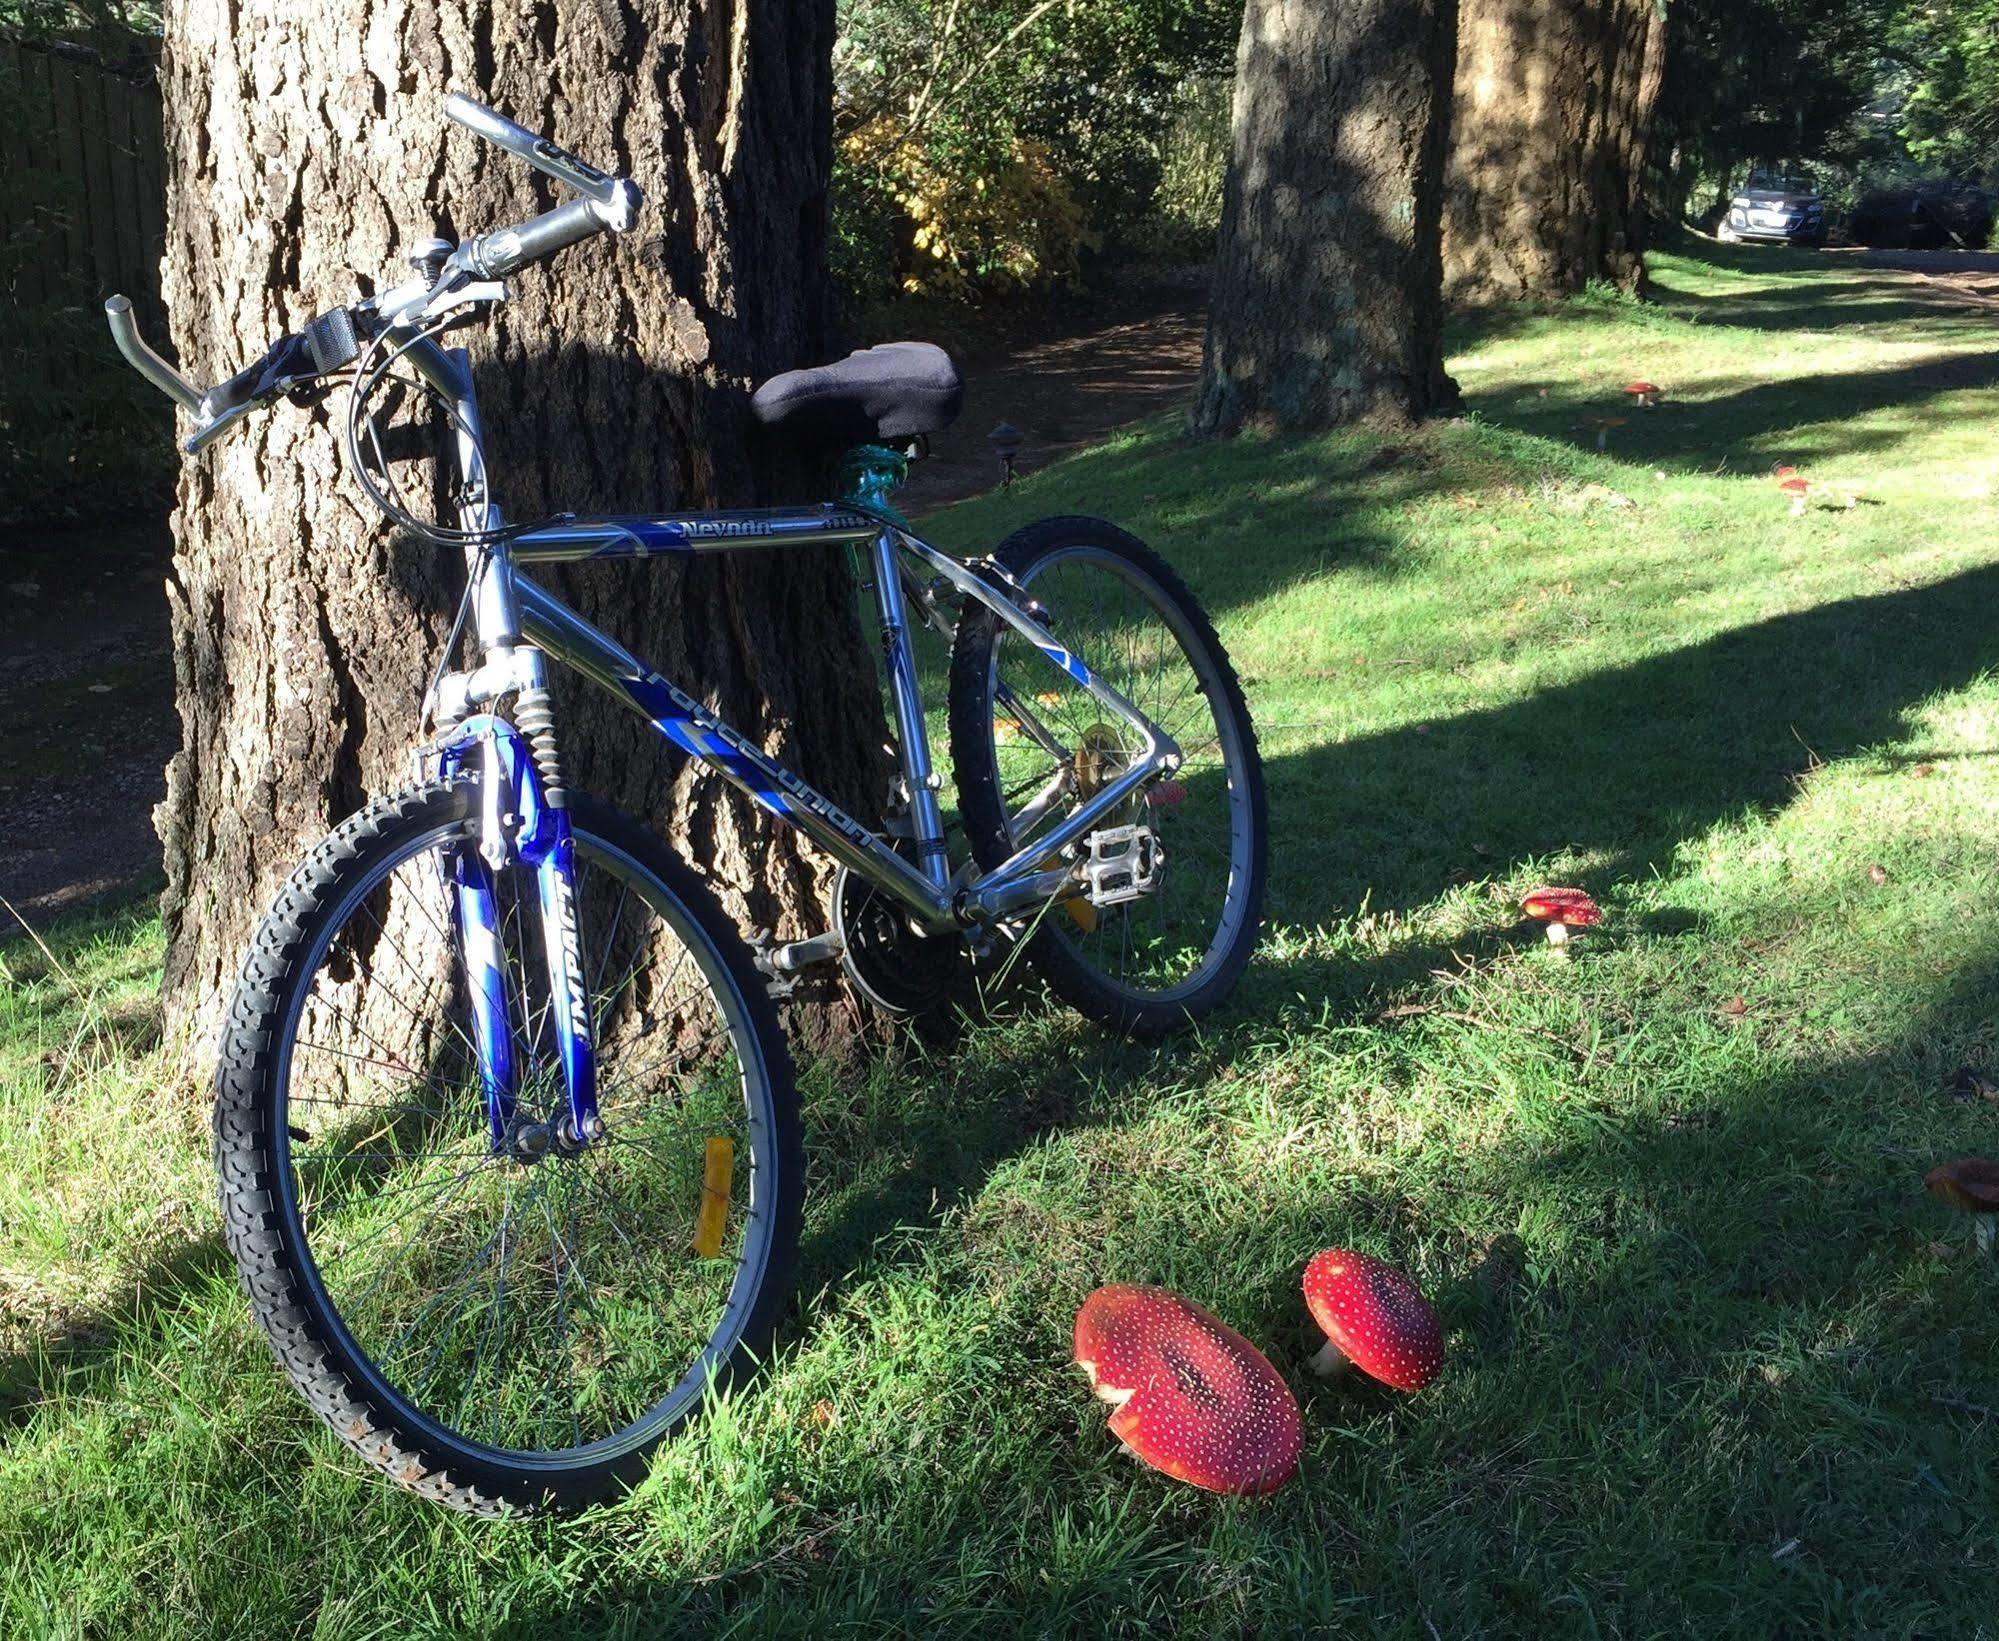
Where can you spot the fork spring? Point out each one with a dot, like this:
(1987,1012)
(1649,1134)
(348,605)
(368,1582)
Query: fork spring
(534,716)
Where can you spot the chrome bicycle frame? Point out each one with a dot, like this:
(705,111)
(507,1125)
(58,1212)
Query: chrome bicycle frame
(518,623)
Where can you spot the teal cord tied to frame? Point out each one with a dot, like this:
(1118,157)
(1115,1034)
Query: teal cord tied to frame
(869,474)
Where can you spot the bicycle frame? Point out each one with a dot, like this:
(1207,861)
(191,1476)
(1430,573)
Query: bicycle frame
(518,622)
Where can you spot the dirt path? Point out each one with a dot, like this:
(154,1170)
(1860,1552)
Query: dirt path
(1971,276)
(1064,379)
(86,688)
(87,717)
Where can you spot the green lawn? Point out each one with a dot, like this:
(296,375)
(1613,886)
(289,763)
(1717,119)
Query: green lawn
(1715,1364)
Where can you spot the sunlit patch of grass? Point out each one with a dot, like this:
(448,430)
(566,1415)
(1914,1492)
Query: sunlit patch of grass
(1716,1365)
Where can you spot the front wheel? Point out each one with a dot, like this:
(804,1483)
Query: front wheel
(1030,745)
(516,1324)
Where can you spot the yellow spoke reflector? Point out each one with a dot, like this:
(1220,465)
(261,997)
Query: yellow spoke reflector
(718,1167)
(1082,912)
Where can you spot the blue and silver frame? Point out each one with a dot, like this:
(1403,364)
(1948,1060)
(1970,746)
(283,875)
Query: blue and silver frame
(924,889)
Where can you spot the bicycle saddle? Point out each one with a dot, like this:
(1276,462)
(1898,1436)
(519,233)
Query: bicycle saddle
(881,395)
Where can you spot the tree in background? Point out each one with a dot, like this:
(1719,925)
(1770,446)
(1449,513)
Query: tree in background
(1763,81)
(1552,111)
(1950,116)
(1326,306)
(309,142)
(990,145)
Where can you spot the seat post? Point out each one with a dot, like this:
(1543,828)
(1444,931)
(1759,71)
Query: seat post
(869,476)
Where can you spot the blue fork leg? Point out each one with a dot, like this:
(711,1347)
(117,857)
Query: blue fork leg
(517,822)
(474,907)
(555,874)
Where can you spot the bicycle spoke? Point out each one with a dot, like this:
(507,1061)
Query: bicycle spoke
(539,1298)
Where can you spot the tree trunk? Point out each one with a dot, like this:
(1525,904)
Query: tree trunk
(308,144)
(1326,305)
(1553,109)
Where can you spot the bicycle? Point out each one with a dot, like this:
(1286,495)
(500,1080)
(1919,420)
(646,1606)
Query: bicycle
(508,1215)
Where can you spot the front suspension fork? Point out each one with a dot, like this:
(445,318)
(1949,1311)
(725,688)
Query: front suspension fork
(518,822)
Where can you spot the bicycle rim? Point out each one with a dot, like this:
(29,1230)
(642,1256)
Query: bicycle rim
(547,1314)
(1167,944)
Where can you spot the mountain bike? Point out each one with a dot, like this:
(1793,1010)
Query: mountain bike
(506,1128)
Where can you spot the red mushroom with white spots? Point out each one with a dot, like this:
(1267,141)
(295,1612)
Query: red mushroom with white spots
(1795,485)
(1193,1397)
(1643,394)
(1373,1317)
(1562,910)
(1970,1185)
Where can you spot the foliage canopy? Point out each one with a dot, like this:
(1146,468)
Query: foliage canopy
(992,145)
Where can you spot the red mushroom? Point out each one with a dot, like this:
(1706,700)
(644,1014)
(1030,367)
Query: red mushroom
(1193,1397)
(1374,1318)
(1603,425)
(1167,796)
(1796,487)
(1643,394)
(1972,1185)
(1562,910)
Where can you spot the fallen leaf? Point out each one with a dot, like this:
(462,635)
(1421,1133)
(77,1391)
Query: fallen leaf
(1877,873)
(1968,1083)
(1735,1007)
(1923,772)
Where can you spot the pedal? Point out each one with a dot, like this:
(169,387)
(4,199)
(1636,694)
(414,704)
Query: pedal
(802,954)
(1123,865)
(783,966)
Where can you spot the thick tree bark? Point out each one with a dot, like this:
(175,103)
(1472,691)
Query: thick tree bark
(1552,112)
(1326,305)
(308,144)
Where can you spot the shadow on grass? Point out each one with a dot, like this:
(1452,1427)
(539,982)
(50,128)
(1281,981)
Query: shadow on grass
(1625,765)
(1705,1279)
(1760,419)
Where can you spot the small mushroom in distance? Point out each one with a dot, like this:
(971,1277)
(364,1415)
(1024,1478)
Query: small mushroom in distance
(1562,910)
(1643,394)
(1373,1317)
(1193,1397)
(1971,1184)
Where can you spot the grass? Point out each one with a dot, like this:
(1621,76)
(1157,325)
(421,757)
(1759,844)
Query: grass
(1716,1366)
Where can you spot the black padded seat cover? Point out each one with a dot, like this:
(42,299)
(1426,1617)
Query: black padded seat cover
(880,395)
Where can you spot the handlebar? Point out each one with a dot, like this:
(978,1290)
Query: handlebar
(329,341)
(539,152)
(125,332)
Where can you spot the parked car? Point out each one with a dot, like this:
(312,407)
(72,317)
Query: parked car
(1775,207)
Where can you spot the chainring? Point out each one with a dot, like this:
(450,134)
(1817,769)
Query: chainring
(897,969)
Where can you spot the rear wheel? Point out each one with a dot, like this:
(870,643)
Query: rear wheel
(1030,744)
(516,1325)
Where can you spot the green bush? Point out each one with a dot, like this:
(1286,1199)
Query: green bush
(991,147)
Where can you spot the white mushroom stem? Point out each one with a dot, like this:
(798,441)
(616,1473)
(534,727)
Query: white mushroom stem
(1328,1360)
(1558,933)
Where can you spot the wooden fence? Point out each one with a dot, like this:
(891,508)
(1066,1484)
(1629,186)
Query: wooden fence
(83,209)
